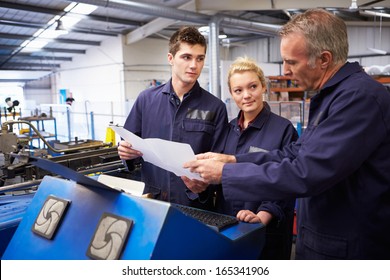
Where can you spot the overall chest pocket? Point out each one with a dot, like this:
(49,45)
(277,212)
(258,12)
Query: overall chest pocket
(199,134)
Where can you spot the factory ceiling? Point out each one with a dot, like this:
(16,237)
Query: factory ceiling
(38,35)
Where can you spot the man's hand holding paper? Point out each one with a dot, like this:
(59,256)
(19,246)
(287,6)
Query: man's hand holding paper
(126,152)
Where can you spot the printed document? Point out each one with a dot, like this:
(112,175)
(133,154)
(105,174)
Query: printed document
(165,154)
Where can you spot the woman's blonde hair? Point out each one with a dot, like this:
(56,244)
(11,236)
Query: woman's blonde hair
(243,64)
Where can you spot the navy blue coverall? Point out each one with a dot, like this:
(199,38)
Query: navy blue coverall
(199,120)
(340,166)
(266,132)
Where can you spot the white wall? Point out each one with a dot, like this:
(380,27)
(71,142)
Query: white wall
(146,60)
(117,72)
(107,79)
(95,76)
(359,38)
(38,92)
(38,96)
(95,81)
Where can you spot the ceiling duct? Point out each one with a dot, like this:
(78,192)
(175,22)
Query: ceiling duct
(183,15)
(150,9)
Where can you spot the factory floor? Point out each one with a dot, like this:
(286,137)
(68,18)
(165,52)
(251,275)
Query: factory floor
(293,251)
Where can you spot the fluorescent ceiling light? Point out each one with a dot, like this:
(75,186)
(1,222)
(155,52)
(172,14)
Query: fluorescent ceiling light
(74,13)
(37,44)
(379,14)
(69,21)
(80,8)
(52,33)
(205,31)
(354,5)
(377,51)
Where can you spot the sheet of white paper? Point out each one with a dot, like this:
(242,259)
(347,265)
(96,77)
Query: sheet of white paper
(165,154)
(128,186)
(139,144)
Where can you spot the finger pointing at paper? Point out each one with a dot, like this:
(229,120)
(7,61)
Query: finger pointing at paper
(217,156)
(210,170)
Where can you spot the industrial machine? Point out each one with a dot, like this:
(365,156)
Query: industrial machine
(83,219)
(46,217)
(84,156)
(19,179)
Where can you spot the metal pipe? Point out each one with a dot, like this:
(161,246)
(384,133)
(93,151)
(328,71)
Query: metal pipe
(252,26)
(184,15)
(48,145)
(69,125)
(92,126)
(116,166)
(214,69)
(150,9)
(20,186)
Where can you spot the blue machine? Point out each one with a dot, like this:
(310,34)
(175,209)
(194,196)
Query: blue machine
(12,209)
(66,220)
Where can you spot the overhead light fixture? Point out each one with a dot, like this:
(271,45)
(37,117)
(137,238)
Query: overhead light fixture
(378,51)
(375,50)
(205,31)
(80,8)
(60,26)
(354,5)
(379,14)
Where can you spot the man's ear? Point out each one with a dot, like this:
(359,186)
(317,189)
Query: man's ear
(326,59)
(170,58)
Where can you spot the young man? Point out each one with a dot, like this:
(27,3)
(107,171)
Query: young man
(180,111)
(340,164)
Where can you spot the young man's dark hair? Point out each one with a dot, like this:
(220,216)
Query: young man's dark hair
(186,34)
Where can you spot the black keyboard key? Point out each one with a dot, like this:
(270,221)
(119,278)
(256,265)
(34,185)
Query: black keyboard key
(214,220)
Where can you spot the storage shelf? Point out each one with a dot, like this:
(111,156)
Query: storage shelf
(277,85)
(383,79)
(289,89)
(278,78)
(40,126)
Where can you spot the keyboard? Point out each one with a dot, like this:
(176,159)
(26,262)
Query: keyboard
(214,220)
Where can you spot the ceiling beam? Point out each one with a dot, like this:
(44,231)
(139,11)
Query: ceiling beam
(49,50)
(156,25)
(187,16)
(58,40)
(25,56)
(60,50)
(17,65)
(253,5)
(25,24)
(61,12)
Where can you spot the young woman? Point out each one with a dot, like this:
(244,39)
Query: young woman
(256,129)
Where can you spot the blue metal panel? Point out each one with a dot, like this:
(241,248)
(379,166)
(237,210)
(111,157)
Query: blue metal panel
(159,231)
(12,209)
